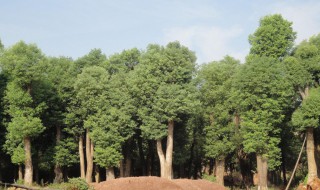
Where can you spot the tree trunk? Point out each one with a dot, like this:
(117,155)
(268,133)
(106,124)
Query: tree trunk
(57,168)
(262,167)
(110,173)
(283,168)
(150,158)
(312,167)
(127,171)
(28,175)
(89,156)
(141,154)
(166,160)
(81,155)
(220,170)
(97,173)
(20,172)
(161,158)
(122,168)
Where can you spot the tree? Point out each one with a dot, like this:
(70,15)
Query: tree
(215,87)
(60,78)
(161,86)
(307,117)
(91,91)
(112,124)
(77,114)
(24,64)
(304,69)
(273,38)
(263,91)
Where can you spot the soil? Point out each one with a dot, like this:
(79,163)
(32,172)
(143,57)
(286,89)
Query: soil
(155,183)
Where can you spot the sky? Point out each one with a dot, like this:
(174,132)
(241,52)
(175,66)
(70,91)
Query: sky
(210,28)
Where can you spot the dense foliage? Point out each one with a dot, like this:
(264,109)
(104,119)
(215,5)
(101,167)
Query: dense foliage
(155,112)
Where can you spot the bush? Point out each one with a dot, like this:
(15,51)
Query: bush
(209,177)
(78,184)
(72,184)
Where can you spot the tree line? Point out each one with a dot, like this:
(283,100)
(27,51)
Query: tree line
(156,112)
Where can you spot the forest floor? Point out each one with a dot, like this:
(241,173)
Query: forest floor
(156,183)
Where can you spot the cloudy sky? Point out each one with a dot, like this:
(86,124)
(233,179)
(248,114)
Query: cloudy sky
(211,28)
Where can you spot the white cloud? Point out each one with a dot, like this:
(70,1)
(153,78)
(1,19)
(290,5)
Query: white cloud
(209,43)
(304,15)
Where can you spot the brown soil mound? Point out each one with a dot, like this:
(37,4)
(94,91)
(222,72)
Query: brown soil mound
(314,185)
(155,183)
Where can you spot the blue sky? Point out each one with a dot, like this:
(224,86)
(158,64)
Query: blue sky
(211,28)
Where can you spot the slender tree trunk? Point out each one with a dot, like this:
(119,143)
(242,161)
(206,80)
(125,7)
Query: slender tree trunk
(283,168)
(97,173)
(36,168)
(89,156)
(57,168)
(161,158)
(127,171)
(20,172)
(81,155)
(312,167)
(191,158)
(28,175)
(122,168)
(110,173)
(166,160)
(141,154)
(220,170)
(149,159)
(262,167)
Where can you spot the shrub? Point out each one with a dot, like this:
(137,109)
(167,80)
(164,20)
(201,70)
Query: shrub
(209,177)
(77,184)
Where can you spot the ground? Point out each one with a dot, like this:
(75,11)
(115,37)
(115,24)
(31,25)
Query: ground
(156,183)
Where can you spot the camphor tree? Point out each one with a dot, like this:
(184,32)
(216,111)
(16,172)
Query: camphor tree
(112,125)
(273,38)
(263,91)
(304,69)
(91,92)
(162,90)
(215,87)
(77,114)
(24,64)
(60,77)
(307,117)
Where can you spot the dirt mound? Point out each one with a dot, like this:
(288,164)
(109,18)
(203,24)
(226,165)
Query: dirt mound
(314,185)
(155,183)
(188,184)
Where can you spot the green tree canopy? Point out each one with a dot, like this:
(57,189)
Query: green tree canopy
(273,38)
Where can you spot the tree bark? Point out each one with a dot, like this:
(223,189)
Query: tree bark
(89,156)
(220,170)
(169,150)
(97,173)
(312,167)
(127,171)
(81,155)
(166,159)
(283,168)
(141,154)
(110,173)
(262,167)
(57,168)
(161,158)
(150,158)
(28,175)
(122,168)
(20,172)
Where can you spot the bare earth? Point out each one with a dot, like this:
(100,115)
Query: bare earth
(156,183)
